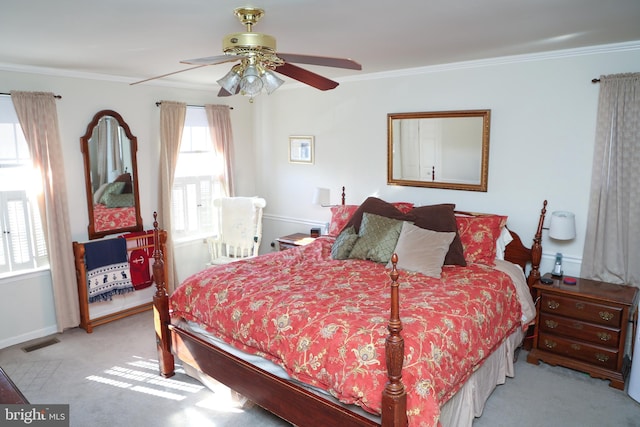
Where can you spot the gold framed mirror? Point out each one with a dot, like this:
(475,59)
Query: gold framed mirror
(441,149)
(111,174)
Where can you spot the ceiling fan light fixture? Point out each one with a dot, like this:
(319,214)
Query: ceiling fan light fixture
(250,83)
(271,81)
(231,80)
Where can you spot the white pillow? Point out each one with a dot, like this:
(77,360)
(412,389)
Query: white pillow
(422,250)
(502,242)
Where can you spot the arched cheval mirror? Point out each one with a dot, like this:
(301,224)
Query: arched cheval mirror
(109,150)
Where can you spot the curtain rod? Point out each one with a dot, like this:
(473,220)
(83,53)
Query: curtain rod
(159,103)
(55,96)
(595,80)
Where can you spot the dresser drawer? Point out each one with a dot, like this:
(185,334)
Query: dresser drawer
(574,328)
(582,310)
(593,354)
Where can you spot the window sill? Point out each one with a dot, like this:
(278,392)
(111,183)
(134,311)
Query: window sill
(23,274)
(186,240)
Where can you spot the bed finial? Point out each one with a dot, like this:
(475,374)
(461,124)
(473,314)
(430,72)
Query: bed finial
(536,249)
(343,196)
(394,396)
(161,305)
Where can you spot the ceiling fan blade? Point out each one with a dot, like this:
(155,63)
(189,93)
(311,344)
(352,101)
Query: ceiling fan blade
(168,74)
(325,61)
(224,92)
(305,76)
(210,60)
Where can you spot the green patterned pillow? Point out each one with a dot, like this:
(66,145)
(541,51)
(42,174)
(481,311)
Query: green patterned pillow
(344,243)
(112,188)
(118,200)
(377,238)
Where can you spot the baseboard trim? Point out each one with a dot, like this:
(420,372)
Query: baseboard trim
(31,335)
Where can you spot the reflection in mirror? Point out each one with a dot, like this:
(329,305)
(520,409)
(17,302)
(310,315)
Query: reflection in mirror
(111,174)
(446,149)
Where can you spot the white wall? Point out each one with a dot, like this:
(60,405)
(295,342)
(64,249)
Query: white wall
(542,135)
(543,111)
(26,301)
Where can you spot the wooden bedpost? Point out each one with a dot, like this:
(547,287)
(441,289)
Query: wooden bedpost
(536,249)
(161,306)
(394,396)
(343,196)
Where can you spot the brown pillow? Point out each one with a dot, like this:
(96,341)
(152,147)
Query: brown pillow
(441,218)
(377,207)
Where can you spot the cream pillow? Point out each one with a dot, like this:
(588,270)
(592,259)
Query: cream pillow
(422,250)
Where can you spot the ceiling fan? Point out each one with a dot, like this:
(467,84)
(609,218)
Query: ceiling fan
(258,60)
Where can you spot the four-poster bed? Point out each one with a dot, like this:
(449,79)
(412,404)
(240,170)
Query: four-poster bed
(291,397)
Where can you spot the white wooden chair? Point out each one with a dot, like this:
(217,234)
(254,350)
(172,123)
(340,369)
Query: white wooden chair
(239,229)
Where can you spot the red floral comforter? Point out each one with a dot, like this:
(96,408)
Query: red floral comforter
(325,321)
(105,218)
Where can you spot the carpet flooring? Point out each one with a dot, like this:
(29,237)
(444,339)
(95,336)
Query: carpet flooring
(109,378)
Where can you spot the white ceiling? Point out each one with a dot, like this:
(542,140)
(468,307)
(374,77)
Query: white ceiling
(133,40)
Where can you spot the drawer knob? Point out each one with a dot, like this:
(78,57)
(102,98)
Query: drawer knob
(580,305)
(578,326)
(576,347)
(604,336)
(605,315)
(601,357)
(551,324)
(550,344)
(553,304)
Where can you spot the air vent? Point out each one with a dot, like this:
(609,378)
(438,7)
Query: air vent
(40,345)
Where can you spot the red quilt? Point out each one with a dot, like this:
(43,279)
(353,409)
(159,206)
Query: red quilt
(105,218)
(325,321)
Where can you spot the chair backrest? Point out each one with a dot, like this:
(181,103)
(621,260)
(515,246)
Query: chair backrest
(239,228)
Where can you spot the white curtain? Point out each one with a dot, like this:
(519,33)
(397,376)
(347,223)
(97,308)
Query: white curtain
(172,118)
(39,121)
(219,120)
(612,241)
(108,150)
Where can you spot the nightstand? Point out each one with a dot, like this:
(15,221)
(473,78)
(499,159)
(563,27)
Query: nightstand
(584,327)
(294,240)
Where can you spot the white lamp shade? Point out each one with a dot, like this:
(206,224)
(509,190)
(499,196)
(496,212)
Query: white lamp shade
(563,225)
(321,196)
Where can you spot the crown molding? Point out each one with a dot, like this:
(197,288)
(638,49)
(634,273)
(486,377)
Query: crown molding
(502,60)
(541,56)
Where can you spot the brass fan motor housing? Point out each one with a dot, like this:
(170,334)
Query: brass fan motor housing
(242,42)
(245,44)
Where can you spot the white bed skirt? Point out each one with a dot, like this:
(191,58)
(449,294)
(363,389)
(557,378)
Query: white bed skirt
(459,411)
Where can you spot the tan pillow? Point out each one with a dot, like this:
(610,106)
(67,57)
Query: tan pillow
(422,250)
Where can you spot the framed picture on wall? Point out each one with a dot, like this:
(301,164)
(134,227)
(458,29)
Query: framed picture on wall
(301,149)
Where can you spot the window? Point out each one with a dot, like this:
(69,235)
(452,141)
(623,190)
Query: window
(198,180)
(23,244)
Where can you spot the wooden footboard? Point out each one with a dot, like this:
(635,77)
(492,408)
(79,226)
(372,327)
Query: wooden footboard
(286,399)
(161,314)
